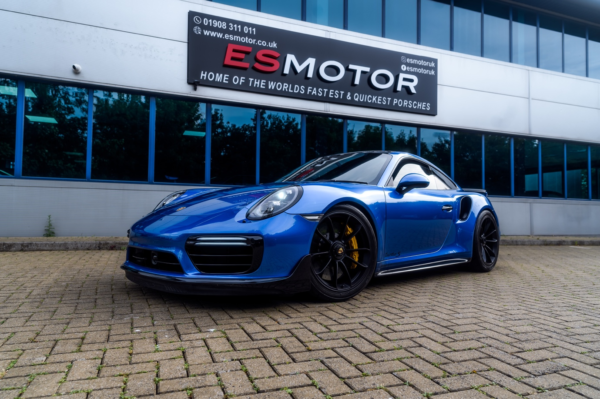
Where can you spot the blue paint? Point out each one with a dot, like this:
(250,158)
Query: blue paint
(20,128)
(345,124)
(589,153)
(258,146)
(383,133)
(452,155)
(483,161)
(512,167)
(540,180)
(565,167)
(207,144)
(303,138)
(90,135)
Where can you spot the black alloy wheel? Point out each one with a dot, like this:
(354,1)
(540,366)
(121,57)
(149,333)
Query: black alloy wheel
(486,243)
(344,254)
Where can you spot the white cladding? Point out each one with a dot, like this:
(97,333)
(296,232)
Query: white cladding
(142,45)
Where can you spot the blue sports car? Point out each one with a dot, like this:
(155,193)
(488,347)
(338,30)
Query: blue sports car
(328,227)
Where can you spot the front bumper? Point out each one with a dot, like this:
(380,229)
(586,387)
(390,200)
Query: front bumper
(298,281)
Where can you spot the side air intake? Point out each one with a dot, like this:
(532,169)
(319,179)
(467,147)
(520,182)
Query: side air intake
(465,208)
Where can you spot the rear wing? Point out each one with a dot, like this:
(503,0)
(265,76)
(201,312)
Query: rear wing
(476,190)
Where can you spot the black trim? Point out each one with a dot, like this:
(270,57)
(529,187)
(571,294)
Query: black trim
(297,282)
(475,190)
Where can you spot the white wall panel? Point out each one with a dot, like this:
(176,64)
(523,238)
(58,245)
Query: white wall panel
(514,217)
(566,122)
(565,218)
(565,89)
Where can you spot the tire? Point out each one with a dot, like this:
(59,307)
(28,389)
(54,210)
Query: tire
(486,243)
(344,254)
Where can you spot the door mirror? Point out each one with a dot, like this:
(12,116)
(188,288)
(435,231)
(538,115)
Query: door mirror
(410,181)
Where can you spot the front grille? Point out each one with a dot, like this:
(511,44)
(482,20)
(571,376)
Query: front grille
(225,254)
(158,260)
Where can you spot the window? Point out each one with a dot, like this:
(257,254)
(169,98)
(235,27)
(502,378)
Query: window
(248,4)
(467,26)
(364,16)
(496,36)
(524,38)
(401,20)
(233,145)
(467,160)
(553,164)
(180,141)
(574,49)
(401,138)
(435,147)
(594,53)
(435,23)
(326,12)
(550,43)
(526,168)
(324,136)
(8,125)
(121,136)
(409,168)
(279,144)
(497,165)
(577,171)
(364,136)
(595,160)
(55,135)
(288,8)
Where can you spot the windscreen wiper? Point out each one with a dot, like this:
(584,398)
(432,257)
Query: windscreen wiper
(343,181)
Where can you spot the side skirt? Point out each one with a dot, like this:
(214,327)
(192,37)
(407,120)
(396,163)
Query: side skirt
(423,266)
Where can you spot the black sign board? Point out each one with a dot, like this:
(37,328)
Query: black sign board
(237,55)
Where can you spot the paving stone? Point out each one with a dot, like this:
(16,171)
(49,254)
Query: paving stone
(470,394)
(268,395)
(581,377)
(307,393)
(208,393)
(128,369)
(83,369)
(546,367)
(549,381)
(276,355)
(83,385)
(297,368)
(373,382)
(586,391)
(236,383)
(424,368)
(404,392)
(102,394)
(292,381)
(558,394)
(184,383)
(499,393)
(382,367)
(467,367)
(419,382)
(329,383)
(378,394)
(341,368)
(43,385)
(507,382)
(141,384)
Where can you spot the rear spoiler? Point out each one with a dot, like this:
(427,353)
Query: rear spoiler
(475,190)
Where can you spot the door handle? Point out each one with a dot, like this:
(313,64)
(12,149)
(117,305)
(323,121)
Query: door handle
(447,208)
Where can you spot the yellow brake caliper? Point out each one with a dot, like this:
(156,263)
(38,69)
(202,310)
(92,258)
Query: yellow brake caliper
(353,244)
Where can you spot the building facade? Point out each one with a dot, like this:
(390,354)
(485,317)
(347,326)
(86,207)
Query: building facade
(99,118)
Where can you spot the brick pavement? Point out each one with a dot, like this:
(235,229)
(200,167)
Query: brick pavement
(71,324)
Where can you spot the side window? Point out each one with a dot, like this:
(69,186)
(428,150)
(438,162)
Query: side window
(439,183)
(412,168)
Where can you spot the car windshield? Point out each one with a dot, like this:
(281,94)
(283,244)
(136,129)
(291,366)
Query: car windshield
(357,167)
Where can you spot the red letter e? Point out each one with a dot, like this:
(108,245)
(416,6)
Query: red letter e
(235,54)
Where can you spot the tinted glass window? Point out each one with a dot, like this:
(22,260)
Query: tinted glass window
(435,23)
(324,136)
(435,147)
(249,4)
(401,20)
(279,144)
(594,53)
(577,171)
(401,138)
(595,158)
(326,12)
(287,8)
(8,125)
(497,165)
(524,38)
(363,136)
(233,145)
(180,141)
(550,43)
(467,160)
(121,136)
(496,37)
(526,168)
(409,168)
(364,168)
(553,164)
(574,49)
(55,136)
(467,26)
(365,16)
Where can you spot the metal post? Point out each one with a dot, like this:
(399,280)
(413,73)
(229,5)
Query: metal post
(419,139)
(590,192)
(258,5)
(540,180)
(20,129)
(152,141)
(483,161)
(563,46)
(565,169)
(258,146)
(383,136)
(452,155)
(418,21)
(587,52)
(510,34)
(512,167)
(451,25)
(345,135)
(537,40)
(346,14)
(207,144)
(303,139)
(90,135)
(303,10)
(482,28)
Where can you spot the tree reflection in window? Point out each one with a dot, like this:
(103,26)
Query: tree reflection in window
(401,138)
(364,136)
(8,126)
(55,131)
(233,145)
(435,147)
(467,160)
(180,141)
(279,144)
(121,136)
(324,136)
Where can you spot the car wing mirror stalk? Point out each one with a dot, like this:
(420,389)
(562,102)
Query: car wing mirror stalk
(412,181)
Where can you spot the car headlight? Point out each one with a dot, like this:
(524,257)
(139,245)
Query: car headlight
(275,203)
(168,199)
